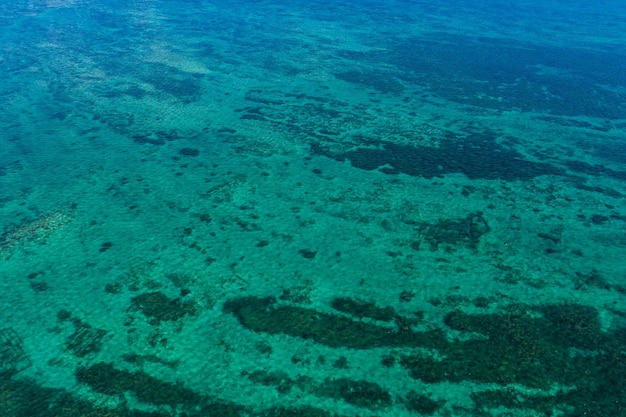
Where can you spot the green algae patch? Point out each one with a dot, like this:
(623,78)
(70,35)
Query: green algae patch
(158,307)
(265,315)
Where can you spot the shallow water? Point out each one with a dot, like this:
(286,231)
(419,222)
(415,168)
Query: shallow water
(312,208)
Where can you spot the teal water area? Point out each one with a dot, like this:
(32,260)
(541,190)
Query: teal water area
(309,208)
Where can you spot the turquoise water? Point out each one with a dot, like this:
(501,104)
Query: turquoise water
(310,208)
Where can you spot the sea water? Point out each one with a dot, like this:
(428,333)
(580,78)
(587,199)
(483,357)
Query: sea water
(312,208)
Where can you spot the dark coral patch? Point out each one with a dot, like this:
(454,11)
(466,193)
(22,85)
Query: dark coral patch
(380,81)
(463,232)
(518,349)
(158,307)
(144,139)
(307,254)
(599,219)
(266,316)
(104,378)
(361,309)
(502,73)
(189,152)
(85,339)
(105,246)
(422,404)
(360,393)
(24,397)
(477,155)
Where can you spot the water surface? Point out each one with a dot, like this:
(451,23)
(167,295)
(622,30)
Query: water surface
(309,208)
